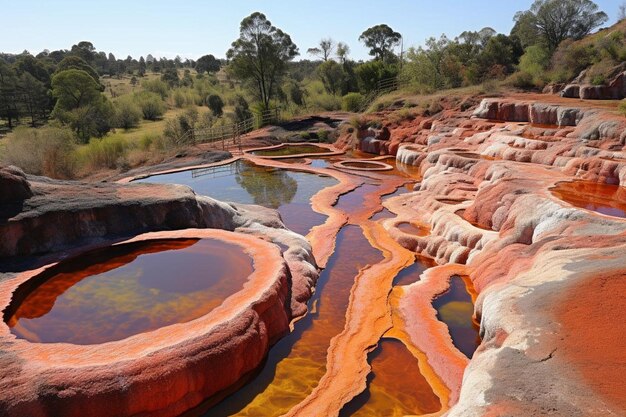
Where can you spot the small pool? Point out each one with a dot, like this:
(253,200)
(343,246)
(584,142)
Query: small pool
(244,182)
(456,309)
(602,198)
(113,293)
(289,150)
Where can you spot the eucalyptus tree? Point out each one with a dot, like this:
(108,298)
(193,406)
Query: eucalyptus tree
(260,55)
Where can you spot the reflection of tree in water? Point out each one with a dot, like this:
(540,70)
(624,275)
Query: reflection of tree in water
(269,187)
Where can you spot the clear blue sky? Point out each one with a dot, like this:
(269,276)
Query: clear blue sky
(192,28)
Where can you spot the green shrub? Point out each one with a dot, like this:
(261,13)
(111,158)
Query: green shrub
(106,152)
(46,151)
(352,102)
(150,104)
(599,79)
(535,61)
(127,112)
(215,103)
(156,86)
(179,98)
(521,80)
(326,102)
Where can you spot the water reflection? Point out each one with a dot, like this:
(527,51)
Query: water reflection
(268,187)
(244,182)
(455,308)
(117,292)
(607,199)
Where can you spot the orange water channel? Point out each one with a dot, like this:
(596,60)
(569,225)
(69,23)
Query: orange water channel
(298,362)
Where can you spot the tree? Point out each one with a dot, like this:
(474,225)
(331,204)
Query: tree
(77,63)
(260,55)
(170,76)
(207,63)
(215,103)
(621,14)
(332,76)
(557,20)
(142,67)
(342,52)
(325,49)
(370,73)
(80,103)
(380,39)
(85,50)
(242,109)
(74,88)
(8,93)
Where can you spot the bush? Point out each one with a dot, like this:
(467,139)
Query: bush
(534,61)
(150,104)
(107,152)
(156,86)
(352,102)
(45,151)
(599,79)
(521,80)
(179,131)
(215,103)
(179,98)
(127,113)
(242,109)
(326,102)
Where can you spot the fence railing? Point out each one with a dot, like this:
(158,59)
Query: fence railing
(233,132)
(383,87)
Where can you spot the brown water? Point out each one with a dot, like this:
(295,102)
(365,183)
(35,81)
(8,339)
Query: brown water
(412,273)
(362,164)
(455,308)
(291,150)
(289,192)
(298,361)
(412,229)
(606,199)
(114,293)
(395,387)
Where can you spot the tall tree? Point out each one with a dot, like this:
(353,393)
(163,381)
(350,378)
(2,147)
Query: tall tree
(557,20)
(380,39)
(80,103)
(342,52)
(324,50)
(260,55)
(207,63)
(8,94)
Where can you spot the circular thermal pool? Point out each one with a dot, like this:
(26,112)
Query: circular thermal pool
(112,293)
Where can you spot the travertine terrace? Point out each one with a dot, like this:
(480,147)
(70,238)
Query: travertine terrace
(548,273)
(490,203)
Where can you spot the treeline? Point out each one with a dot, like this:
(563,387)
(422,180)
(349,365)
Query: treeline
(75,88)
(27,90)
(539,49)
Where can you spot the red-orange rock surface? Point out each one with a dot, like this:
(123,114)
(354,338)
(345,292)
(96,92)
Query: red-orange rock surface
(167,371)
(549,273)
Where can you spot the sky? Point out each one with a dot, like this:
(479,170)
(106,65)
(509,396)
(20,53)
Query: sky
(192,28)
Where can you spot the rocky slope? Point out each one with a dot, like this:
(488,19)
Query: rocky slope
(550,275)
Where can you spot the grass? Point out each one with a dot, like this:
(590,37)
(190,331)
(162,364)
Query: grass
(411,98)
